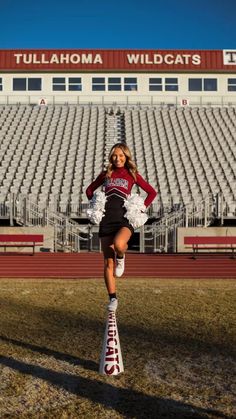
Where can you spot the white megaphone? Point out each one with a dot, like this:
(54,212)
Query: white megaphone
(111,362)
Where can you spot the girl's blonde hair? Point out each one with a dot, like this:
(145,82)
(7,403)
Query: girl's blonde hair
(129,163)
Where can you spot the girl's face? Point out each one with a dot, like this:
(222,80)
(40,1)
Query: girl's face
(118,158)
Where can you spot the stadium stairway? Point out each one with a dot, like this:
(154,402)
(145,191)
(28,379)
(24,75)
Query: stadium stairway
(90,265)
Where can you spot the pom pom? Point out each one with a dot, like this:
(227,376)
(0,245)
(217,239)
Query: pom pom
(96,209)
(135,213)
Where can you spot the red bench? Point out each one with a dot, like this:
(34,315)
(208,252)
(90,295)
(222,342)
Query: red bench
(21,240)
(210,243)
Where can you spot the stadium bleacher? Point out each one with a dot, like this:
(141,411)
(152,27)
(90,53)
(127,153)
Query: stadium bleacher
(51,153)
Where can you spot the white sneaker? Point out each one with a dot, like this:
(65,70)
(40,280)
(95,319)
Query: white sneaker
(120,266)
(112,306)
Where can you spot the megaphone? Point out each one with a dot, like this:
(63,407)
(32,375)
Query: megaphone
(111,362)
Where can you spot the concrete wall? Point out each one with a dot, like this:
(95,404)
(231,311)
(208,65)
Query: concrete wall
(201,231)
(48,233)
(142,95)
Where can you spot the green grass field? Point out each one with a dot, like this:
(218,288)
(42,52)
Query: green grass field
(178,340)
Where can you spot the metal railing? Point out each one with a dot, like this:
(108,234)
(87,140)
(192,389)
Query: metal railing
(128,100)
(162,235)
(22,211)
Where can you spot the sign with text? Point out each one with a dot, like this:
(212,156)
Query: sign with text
(184,102)
(229,56)
(42,102)
(117,60)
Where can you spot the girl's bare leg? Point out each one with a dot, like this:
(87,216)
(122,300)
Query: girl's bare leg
(110,246)
(109,261)
(120,246)
(121,241)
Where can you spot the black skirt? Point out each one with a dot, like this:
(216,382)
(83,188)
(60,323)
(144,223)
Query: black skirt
(114,219)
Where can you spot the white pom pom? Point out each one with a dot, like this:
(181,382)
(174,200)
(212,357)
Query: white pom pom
(96,209)
(135,213)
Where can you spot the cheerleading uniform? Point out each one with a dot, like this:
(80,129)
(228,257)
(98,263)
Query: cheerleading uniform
(117,188)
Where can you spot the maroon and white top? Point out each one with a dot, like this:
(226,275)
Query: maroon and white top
(120,183)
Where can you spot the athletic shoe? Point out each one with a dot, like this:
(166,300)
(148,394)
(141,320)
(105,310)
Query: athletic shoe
(120,266)
(112,306)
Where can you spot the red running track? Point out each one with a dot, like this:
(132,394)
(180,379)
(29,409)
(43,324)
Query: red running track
(90,265)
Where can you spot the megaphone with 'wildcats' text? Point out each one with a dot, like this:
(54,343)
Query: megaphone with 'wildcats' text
(111,362)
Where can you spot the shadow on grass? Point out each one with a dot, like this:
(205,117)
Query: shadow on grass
(87,364)
(128,402)
(27,322)
(51,322)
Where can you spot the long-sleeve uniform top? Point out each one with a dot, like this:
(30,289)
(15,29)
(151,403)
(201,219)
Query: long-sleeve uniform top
(120,183)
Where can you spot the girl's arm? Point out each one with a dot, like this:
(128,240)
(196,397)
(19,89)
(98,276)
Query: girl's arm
(95,184)
(151,193)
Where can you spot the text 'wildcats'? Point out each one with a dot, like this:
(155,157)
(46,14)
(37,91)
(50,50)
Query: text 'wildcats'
(112,356)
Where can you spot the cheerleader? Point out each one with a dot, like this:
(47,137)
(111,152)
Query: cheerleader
(115,229)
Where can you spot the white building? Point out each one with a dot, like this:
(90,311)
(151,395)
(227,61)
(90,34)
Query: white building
(174,77)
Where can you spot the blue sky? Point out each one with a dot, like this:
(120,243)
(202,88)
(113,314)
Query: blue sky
(122,24)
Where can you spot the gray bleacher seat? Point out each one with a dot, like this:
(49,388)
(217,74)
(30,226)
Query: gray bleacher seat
(53,152)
